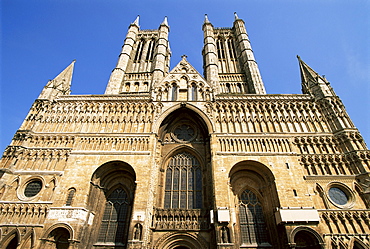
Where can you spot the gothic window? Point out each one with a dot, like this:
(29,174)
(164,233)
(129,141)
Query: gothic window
(71,193)
(114,221)
(252,224)
(174,92)
(183,187)
(139,50)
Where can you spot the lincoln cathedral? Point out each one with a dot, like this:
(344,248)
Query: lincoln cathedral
(169,158)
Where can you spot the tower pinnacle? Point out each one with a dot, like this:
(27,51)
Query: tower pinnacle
(206,18)
(165,21)
(136,22)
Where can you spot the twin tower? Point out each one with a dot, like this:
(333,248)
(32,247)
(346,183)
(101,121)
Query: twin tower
(229,64)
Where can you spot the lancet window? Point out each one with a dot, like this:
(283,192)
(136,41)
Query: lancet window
(139,51)
(252,224)
(183,187)
(220,49)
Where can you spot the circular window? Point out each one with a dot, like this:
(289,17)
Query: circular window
(33,188)
(184,133)
(338,196)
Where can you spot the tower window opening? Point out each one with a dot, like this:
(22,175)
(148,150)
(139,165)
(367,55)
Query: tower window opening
(220,49)
(139,51)
(150,53)
(231,48)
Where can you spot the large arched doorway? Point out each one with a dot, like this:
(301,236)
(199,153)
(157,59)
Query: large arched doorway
(184,191)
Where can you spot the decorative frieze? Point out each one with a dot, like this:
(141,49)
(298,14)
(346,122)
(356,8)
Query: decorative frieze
(181,219)
(344,225)
(255,145)
(267,116)
(94,143)
(23,212)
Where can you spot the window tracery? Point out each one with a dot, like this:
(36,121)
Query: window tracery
(183,187)
(252,224)
(113,224)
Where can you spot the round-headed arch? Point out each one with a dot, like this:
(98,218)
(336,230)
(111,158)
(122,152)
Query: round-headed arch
(257,174)
(181,240)
(184,107)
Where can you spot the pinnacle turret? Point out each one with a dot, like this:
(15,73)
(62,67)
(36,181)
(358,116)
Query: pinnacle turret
(313,83)
(60,85)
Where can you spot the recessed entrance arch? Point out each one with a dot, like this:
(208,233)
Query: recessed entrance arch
(181,241)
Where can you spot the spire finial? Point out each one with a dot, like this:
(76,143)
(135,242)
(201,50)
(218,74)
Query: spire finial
(136,22)
(206,18)
(236,16)
(165,22)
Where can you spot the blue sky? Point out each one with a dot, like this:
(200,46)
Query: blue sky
(40,38)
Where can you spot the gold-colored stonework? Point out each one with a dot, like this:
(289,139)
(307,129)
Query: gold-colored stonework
(172,159)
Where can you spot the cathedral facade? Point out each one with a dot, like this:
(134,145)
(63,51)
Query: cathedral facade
(172,159)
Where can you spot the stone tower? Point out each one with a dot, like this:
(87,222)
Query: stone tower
(172,159)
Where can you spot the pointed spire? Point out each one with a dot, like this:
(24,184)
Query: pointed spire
(136,22)
(313,83)
(165,22)
(206,19)
(236,16)
(60,85)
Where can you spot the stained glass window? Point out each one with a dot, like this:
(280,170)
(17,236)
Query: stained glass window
(114,221)
(252,224)
(183,187)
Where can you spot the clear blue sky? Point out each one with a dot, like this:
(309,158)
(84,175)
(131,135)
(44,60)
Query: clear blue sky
(39,38)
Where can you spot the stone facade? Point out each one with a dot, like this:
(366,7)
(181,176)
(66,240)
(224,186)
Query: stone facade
(173,159)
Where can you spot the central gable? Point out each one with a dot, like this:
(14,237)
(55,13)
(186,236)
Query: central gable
(183,83)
